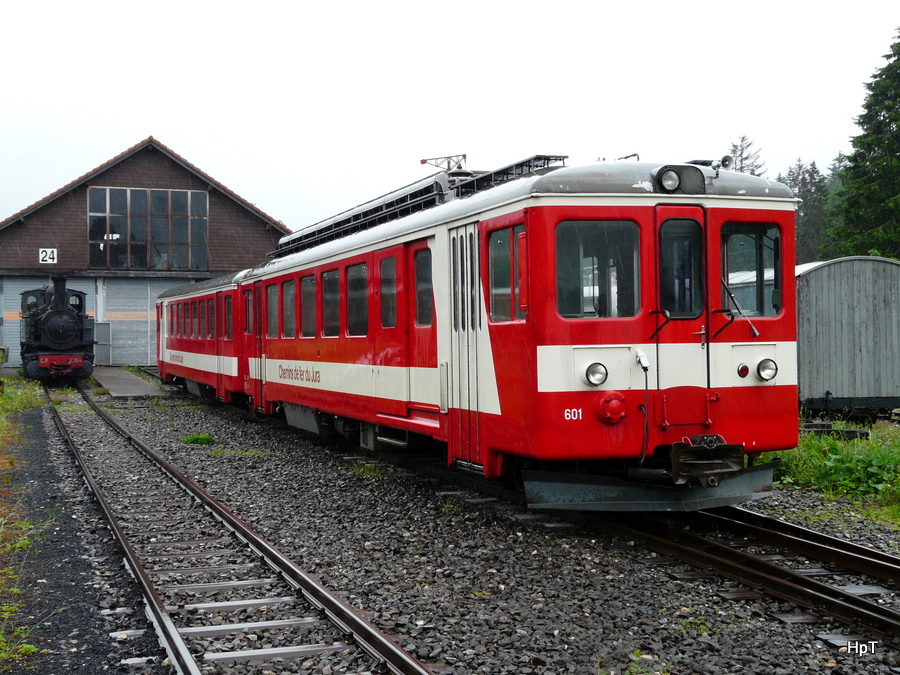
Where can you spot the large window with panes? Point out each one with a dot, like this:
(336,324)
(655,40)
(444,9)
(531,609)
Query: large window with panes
(137,228)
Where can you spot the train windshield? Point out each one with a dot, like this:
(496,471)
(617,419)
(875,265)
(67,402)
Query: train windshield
(597,269)
(752,263)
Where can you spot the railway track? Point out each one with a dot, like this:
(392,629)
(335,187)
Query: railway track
(204,573)
(722,550)
(772,556)
(778,569)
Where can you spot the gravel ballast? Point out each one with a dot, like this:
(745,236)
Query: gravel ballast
(478,587)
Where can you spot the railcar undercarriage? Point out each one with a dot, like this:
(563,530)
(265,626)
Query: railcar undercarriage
(702,473)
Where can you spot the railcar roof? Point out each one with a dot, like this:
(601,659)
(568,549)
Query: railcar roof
(534,176)
(601,178)
(638,178)
(230,279)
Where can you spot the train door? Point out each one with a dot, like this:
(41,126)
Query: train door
(160,331)
(682,335)
(260,317)
(466,326)
(217,332)
(391,333)
(250,337)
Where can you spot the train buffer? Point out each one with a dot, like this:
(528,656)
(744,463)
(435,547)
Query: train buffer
(122,384)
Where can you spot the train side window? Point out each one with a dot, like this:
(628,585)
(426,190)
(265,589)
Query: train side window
(597,270)
(179,326)
(503,258)
(357,300)
(331,303)
(248,311)
(195,321)
(228,316)
(681,268)
(272,311)
(751,260)
(202,331)
(211,303)
(424,288)
(389,292)
(288,311)
(500,259)
(308,307)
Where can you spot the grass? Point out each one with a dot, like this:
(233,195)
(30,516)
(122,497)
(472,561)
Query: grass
(369,470)
(865,472)
(18,394)
(449,505)
(239,453)
(198,439)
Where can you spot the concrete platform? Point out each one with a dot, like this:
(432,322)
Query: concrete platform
(123,384)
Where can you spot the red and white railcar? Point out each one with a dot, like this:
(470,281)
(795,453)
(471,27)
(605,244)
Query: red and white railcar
(195,337)
(624,333)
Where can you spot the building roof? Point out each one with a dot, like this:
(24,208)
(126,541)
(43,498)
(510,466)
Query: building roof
(149,142)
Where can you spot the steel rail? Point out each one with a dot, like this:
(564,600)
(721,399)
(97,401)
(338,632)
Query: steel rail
(760,574)
(376,643)
(171,639)
(803,541)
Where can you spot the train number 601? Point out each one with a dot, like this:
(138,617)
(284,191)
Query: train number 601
(572,413)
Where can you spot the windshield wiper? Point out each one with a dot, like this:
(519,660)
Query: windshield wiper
(740,310)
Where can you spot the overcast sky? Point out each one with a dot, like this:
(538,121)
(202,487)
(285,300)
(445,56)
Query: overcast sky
(308,108)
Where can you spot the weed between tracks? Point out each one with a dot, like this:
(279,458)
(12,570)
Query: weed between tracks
(239,452)
(17,395)
(198,439)
(369,470)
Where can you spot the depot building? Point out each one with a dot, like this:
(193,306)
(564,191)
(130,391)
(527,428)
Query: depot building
(141,223)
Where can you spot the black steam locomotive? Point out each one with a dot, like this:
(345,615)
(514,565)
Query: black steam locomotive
(57,335)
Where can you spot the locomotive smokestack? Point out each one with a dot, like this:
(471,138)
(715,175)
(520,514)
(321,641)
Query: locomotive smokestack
(59,300)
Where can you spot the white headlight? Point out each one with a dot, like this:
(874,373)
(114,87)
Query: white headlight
(670,180)
(596,374)
(767,369)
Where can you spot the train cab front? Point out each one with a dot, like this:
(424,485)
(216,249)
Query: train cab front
(611,436)
(662,399)
(652,464)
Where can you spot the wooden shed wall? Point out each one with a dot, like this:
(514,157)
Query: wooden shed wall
(848,329)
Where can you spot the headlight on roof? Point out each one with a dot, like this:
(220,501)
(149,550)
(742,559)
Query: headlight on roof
(767,369)
(670,179)
(683,179)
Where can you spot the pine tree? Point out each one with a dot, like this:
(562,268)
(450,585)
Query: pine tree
(834,207)
(810,187)
(746,159)
(870,212)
